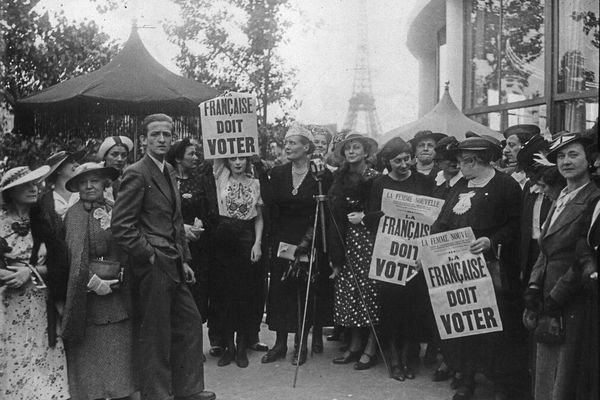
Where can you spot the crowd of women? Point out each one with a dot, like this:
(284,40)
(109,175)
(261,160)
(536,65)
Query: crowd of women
(66,326)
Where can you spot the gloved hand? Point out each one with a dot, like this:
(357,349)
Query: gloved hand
(529,319)
(101,287)
(533,299)
(300,251)
(551,307)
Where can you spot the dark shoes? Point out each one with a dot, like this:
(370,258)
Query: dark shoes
(398,373)
(463,393)
(299,358)
(241,358)
(274,354)
(360,366)
(258,346)
(216,351)
(204,395)
(441,375)
(348,357)
(226,358)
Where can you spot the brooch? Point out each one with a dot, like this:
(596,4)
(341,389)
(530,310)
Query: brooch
(464,203)
(104,217)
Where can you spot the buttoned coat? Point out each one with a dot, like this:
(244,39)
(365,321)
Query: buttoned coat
(557,272)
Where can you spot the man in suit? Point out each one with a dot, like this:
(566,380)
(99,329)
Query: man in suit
(148,225)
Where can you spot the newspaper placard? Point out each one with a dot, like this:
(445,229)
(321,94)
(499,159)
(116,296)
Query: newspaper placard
(229,126)
(460,286)
(407,217)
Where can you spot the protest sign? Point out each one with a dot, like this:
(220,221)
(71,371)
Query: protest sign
(407,217)
(229,126)
(460,286)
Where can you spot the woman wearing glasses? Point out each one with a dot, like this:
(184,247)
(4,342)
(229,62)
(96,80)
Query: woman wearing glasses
(488,201)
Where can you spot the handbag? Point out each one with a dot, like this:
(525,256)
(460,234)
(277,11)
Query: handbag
(105,269)
(550,330)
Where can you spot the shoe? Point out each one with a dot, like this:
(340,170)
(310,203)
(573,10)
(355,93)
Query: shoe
(204,395)
(348,357)
(226,358)
(258,346)
(301,358)
(398,373)
(360,366)
(463,393)
(317,344)
(408,372)
(273,355)
(441,375)
(216,351)
(456,381)
(241,358)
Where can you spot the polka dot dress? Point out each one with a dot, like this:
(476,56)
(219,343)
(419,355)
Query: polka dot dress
(349,309)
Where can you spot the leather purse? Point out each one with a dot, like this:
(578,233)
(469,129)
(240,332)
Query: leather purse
(550,330)
(106,269)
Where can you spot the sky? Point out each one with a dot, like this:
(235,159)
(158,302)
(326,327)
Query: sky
(321,46)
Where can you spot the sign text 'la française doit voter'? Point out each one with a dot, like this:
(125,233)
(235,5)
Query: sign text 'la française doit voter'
(229,126)
(460,286)
(407,217)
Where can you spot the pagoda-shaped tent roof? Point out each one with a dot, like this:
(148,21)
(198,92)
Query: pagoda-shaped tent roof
(446,118)
(132,81)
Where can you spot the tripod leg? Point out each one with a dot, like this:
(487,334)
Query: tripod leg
(308,279)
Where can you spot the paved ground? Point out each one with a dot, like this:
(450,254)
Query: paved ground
(319,379)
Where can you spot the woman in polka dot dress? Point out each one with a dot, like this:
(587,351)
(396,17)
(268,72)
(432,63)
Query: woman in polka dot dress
(356,296)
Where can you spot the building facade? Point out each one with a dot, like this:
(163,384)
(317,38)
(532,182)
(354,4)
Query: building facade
(510,61)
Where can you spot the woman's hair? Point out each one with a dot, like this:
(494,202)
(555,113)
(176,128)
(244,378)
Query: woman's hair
(248,170)
(305,141)
(551,177)
(6,197)
(177,151)
(391,150)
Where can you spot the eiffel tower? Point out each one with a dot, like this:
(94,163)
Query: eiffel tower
(362,115)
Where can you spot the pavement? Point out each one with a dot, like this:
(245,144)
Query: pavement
(320,379)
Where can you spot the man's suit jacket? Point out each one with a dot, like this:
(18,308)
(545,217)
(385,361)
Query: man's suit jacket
(555,268)
(147,221)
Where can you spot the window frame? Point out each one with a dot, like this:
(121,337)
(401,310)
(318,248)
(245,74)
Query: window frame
(551,97)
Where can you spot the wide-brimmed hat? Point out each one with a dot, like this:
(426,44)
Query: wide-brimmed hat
(478,144)
(59,158)
(526,130)
(111,142)
(369,144)
(566,139)
(20,175)
(87,168)
(526,156)
(422,135)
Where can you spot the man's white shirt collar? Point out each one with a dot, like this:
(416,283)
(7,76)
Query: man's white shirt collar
(159,164)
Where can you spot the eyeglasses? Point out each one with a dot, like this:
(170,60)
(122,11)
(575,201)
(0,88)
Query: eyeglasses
(466,160)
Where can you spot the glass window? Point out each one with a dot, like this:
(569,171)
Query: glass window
(577,45)
(507,51)
(501,120)
(577,115)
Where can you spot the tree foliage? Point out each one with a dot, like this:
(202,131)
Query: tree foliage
(233,45)
(40,50)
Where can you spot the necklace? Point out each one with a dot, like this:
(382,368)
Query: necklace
(300,179)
